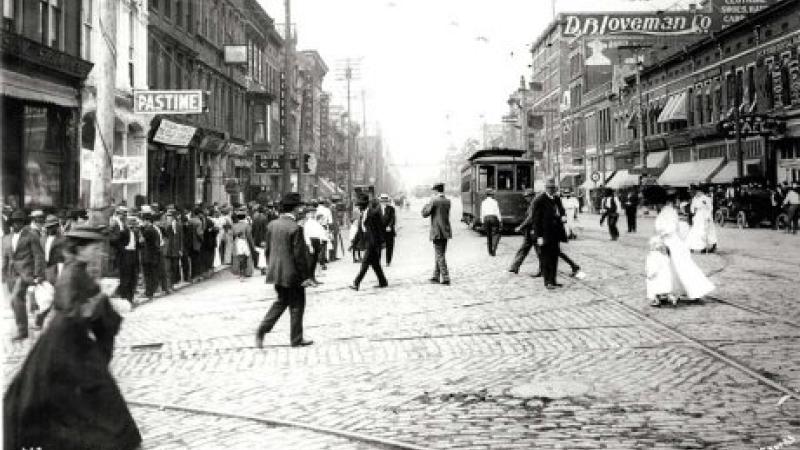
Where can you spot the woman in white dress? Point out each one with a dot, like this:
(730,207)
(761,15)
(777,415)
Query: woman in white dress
(688,280)
(703,235)
(571,206)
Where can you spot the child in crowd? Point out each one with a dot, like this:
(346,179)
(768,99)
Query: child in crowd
(659,274)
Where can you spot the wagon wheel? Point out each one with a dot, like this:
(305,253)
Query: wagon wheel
(741,220)
(720,215)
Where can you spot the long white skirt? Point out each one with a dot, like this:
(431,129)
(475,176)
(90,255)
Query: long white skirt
(688,279)
(703,234)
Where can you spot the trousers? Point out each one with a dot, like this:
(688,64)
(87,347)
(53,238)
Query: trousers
(612,225)
(548,261)
(128,274)
(388,238)
(19,289)
(151,277)
(293,298)
(527,244)
(440,268)
(316,255)
(372,258)
(630,214)
(491,225)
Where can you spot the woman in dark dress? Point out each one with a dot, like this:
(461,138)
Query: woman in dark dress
(64,396)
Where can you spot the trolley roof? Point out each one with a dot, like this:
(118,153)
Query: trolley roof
(495,151)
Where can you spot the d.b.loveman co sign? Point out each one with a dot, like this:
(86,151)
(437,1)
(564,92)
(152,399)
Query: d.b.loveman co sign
(664,23)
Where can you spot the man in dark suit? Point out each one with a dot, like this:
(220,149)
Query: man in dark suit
(288,270)
(23,266)
(389,222)
(438,209)
(127,247)
(371,227)
(259,229)
(548,230)
(150,254)
(209,243)
(526,228)
(53,258)
(172,231)
(194,230)
(631,204)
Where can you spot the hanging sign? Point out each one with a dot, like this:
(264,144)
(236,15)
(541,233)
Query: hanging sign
(665,23)
(172,133)
(168,102)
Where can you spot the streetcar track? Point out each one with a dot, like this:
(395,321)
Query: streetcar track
(277,422)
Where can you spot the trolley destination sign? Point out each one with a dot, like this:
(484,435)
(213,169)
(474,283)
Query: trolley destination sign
(168,102)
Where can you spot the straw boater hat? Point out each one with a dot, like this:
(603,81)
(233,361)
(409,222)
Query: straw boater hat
(50,221)
(384,197)
(362,200)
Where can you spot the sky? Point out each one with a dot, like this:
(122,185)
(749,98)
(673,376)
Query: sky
(431,71)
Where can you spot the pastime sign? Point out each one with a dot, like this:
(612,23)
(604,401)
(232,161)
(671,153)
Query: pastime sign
(168,102)
(665,24)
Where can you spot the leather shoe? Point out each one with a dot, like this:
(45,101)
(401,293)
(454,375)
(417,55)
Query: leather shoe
(303,343)
(446,283)
(434,280)
(353,287)
(382,285)
(558,285)
(513,271)
(259,342)
(537,275)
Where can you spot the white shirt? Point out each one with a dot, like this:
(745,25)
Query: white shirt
(48,244)
(607,203)
(570,203)
(131,241)
(792,198)
(313,230)
(14,240)
(489,207)
(160,236)
(327,215)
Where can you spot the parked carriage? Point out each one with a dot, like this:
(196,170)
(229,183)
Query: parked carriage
(504,170)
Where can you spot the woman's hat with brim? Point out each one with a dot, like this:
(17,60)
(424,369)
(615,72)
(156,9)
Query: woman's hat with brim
(94,229)
(291,199)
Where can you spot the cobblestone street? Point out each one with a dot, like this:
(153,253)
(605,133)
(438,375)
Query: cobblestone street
(419,365)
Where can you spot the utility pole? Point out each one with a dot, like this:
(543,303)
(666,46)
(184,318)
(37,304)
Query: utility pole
(738,126)
(106,69)
(348,76)
(288,70)
(640,123)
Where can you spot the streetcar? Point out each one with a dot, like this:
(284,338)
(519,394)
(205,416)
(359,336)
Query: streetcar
(504,170)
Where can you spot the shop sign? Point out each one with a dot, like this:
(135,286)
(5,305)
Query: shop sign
(668,23)
(235,54)
(172,133)
(128,169)
(236,149)
(272,163)
(307,111)
(168,102)
(282,113)
(732,11)
(753,125)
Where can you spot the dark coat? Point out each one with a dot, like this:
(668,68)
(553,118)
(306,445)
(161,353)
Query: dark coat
(27,262)
(389,220)
(547,222)
(287,253)
(527,224)
(438,210)
(193,233)
(260,221)
(372,229)
(55,258)
(64,396)
(150,248)
(174,242)
(209,234)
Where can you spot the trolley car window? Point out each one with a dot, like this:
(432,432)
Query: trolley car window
(523,177)
(486,178)
(505,178)
(465,184)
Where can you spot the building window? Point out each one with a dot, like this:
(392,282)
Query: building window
(168,9)
(179,72)
(86,30)
(709,108)
(179,13)
(154,5)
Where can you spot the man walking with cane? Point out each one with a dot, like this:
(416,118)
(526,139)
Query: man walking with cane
(490,215)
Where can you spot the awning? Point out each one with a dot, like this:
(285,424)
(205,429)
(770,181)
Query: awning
(622,178)
(684,174)
(729,171)
(675,109)
(655,160)
(18,85)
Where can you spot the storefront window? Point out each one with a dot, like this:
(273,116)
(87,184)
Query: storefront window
(42,144)
(259,124)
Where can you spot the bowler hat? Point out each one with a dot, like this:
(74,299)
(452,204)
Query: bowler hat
(439,187)
(50,221)
(490,192)
(18,215)
(363,199)
(291,199)
(94,229)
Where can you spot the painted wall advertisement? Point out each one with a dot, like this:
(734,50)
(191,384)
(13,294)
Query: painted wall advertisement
(669,23)
(128,169)
(732,11)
